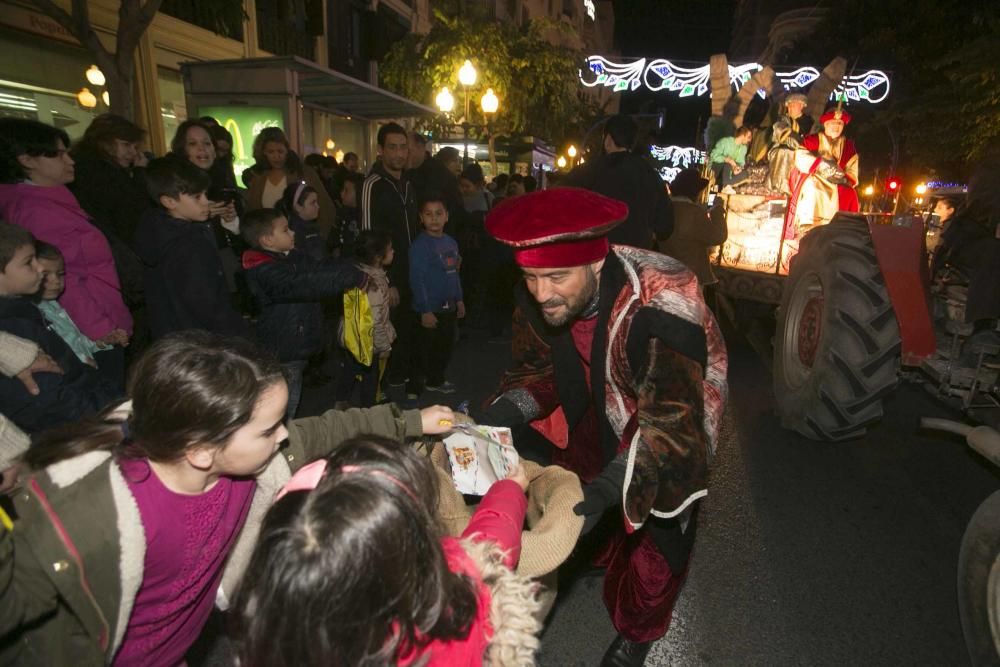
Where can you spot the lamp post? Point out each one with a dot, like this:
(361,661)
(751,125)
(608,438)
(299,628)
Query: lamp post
(489,103)
(467,76)
(571,152)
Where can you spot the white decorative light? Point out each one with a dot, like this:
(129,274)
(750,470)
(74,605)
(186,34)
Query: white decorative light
(330,144)
(490,102)
(871,86)
(86,98)
(467,74)
(679,157)
(591,9)
(571,151)
(106,98)
(561,162)
(445,102)
(95,76)
(339,156)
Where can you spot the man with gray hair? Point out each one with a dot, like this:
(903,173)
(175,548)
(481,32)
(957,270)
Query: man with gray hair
(786,135)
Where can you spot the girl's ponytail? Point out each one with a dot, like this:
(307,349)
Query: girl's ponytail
(104,432)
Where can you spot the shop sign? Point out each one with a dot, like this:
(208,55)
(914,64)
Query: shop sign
(35,23)
(244,123)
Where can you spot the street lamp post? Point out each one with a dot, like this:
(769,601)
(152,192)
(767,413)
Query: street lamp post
(489,104)
(467,76)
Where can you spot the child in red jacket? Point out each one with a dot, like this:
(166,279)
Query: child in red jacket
(351,569)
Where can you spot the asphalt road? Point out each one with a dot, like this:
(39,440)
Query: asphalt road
(807,553)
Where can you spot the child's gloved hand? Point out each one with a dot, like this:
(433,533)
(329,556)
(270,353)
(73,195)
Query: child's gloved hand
(437,419)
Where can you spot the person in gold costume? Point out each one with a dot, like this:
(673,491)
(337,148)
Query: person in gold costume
(825,175)
(786,136)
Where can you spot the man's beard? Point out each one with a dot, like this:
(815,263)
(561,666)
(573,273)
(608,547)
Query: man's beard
(573,305)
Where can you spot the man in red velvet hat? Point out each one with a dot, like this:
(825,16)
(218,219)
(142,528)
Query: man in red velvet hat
(618,374)
(825,176)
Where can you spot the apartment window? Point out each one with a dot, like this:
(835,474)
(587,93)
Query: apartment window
(222,18)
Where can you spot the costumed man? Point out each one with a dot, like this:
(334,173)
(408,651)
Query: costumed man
(825,176)
(786,137)
(619,374)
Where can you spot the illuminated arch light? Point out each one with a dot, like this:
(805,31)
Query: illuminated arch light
(871,86)
(679,157)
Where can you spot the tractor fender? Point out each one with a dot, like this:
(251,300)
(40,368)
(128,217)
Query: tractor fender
(901,252)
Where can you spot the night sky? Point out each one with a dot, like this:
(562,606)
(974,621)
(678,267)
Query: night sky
(679,31)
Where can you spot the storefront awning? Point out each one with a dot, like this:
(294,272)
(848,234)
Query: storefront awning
(313,84)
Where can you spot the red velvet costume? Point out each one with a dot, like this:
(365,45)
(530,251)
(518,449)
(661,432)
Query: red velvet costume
(653,363)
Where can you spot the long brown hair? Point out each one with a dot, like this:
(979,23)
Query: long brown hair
(275,135)
(353,572)
(189,388)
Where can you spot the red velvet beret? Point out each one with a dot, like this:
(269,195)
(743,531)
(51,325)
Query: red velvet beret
(556,228)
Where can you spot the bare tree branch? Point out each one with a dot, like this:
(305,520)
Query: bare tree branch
(148,11)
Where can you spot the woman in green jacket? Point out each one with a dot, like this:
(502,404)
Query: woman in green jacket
(135,524)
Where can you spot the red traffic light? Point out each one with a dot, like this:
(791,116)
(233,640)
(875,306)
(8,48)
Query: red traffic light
(893,184)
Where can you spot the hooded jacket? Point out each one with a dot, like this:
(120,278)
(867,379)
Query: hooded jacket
(71,569)
(288,290)
(629,178)
(93,295)
(183,276)
(79,392)
(389,205)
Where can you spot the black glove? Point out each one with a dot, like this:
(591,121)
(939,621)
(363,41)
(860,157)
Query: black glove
(601,494)
(500,413)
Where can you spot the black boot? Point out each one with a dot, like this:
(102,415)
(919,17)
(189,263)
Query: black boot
(624,653)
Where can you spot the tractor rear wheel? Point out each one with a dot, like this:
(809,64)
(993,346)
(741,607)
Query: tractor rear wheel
(837,340)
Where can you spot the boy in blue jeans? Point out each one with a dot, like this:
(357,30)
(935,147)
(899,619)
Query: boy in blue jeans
(289,286)
(437,292)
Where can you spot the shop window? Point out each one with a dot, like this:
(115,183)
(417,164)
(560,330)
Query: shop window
(40,79)
(173,108)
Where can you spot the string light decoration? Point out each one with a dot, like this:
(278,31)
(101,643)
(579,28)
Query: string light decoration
(678,157)
(659,74)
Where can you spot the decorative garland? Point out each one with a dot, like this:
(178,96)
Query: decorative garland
(660,74)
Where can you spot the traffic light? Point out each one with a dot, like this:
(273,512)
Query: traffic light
(893,185)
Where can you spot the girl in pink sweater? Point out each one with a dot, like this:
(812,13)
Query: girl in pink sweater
(351,569)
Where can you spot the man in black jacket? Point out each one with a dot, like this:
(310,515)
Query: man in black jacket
(388,204)
(431,175)
(622,175)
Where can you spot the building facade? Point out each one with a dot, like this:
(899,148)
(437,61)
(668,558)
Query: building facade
(44,72)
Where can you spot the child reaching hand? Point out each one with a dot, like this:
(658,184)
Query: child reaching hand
(351,569)
(132,525)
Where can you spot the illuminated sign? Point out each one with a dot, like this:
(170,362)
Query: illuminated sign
(677,157)
(659,74)
(244,123)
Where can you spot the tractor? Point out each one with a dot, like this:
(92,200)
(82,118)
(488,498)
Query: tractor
(854,311)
